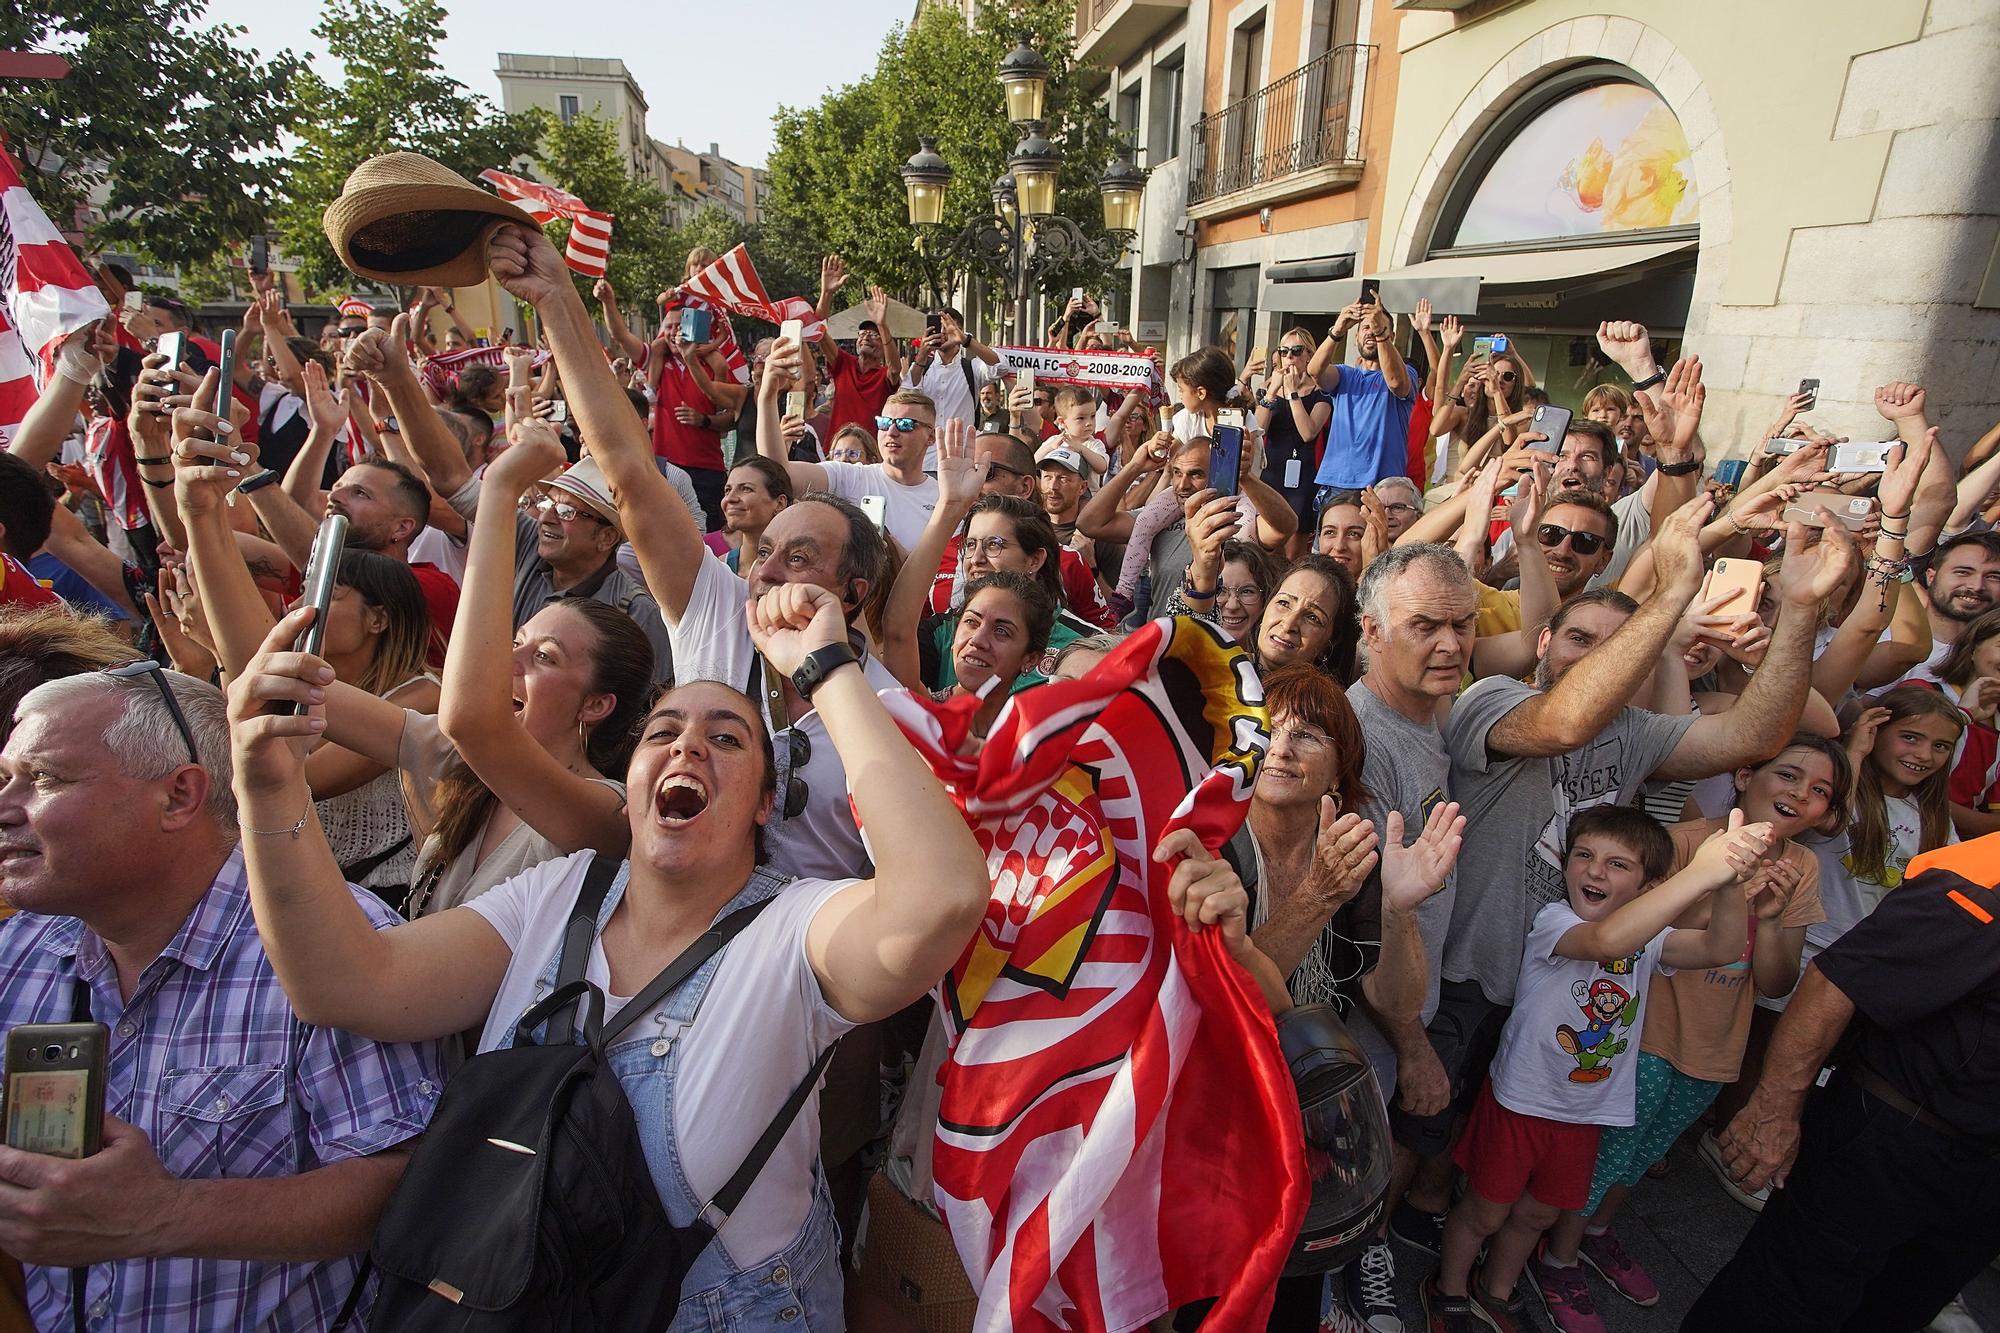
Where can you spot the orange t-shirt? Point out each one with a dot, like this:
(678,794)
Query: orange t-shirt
(1698,1019)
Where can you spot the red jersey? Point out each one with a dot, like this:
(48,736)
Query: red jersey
(1421,410)
(1081,595)
(858,392)
(20,588)
(442,596)
(679,443)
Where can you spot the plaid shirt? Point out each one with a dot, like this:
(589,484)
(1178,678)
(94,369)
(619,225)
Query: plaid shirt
(209,1060)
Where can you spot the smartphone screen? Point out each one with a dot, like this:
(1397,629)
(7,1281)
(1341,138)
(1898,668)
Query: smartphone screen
(1553,422)
(322,568)
(1225,458)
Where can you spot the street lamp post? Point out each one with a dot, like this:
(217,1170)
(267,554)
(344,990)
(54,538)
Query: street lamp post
(1023,239)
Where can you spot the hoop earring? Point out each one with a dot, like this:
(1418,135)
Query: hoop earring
(582,741)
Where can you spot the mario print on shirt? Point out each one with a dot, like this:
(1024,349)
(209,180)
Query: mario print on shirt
(1608,1011)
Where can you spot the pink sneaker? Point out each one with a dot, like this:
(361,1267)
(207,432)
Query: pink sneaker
(1608,1258)
(1565,1294)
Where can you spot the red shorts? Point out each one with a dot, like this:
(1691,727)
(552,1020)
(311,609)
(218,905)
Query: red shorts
(1506,1154)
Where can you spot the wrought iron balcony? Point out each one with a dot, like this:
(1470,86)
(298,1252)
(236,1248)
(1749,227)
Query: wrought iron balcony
(1309,119)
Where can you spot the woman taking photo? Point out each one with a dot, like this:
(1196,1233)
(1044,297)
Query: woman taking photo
(1309,613)
(518,766)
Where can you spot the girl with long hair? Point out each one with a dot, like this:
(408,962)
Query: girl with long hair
(1969,676)
(1902,749)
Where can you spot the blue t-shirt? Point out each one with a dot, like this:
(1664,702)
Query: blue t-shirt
(1369,436)
(73,588)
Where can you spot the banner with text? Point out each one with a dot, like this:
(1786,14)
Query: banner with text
(1123,371)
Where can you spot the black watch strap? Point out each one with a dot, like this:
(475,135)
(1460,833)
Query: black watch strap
(821,663)
(1680,469)
(257,483)
(1657,377)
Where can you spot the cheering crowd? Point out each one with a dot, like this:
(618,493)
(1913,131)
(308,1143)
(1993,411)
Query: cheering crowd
(1601,799)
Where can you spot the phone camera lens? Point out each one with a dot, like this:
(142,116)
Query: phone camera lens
(52,1052)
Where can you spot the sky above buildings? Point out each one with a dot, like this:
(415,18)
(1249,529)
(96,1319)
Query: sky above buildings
(712,72)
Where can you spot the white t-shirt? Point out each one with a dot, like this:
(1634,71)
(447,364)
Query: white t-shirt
(944,383)
(712,642)
(905,509)
(1570,1050)
(761,1025)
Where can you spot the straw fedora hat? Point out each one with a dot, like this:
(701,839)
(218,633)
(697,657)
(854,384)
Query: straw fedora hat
(404,218)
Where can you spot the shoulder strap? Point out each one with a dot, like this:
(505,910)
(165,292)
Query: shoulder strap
(578,935)
(732,1193)
(705,947)
(365,867)
(971,384)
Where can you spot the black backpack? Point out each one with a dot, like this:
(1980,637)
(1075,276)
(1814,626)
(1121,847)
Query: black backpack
(528,1204)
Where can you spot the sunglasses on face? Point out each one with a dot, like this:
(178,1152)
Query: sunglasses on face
(1551,535)
(902,425)
(1294,351)
(153,672)
(1041,400)
(1507,376)
(995,465)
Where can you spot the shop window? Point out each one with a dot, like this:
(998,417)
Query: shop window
(1585,161)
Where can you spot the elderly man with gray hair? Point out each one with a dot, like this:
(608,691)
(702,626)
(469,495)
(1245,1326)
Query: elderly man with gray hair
(1418,606)
(1401,503)
(245,1155)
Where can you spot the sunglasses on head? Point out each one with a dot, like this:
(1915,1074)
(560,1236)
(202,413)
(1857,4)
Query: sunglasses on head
(153,672)
(903,425)
(1583,543)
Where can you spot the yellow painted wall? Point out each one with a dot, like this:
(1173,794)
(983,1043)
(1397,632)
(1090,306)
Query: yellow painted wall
(1774,72)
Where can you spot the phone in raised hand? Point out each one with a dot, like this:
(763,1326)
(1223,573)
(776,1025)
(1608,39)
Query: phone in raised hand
(1739,583)
(794,404)
(1860,457)
(322,569)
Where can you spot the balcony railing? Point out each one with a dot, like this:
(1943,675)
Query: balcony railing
(1310,118)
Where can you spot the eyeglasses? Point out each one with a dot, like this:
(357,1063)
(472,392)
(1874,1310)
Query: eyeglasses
(1294,351)
(153,672)
(991,545)
(1248,592)
(1583,543)
(564,510)
(903,424)
(1399,507)
(1303,739)
(1041,400)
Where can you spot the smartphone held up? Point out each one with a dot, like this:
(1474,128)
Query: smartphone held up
(55,1088)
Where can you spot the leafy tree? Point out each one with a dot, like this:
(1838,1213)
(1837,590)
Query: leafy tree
(168,124)
(583,157)
(834,168)
(393,96)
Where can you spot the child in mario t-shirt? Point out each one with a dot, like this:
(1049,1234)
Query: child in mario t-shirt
(1562,1070)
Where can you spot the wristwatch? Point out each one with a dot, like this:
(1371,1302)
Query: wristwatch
(821,663)
(1680,469)
(1657,377)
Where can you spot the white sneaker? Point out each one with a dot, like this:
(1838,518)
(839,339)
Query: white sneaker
(1711,1152)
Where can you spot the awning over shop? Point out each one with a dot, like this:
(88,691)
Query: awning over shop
(1453,282)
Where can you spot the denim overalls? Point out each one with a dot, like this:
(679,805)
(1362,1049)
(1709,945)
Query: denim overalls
(797,1288)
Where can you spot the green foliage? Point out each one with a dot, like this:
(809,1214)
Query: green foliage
(212,280)
(834,181)
(393,96)
(175,122)
(584,158)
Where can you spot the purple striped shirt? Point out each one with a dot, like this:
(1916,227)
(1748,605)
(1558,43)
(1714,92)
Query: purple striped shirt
(208,1059)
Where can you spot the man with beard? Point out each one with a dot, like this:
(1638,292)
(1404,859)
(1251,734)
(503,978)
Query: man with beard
(863,381)
(1963,583)
(1369,436)
(1525,758)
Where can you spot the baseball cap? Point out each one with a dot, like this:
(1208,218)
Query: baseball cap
(1063,456)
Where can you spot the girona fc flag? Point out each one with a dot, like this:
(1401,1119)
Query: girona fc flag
(1118,1134)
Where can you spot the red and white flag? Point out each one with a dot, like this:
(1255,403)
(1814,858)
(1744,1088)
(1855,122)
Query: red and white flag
(1118,1133)
(589,231)
(719,331)
(732,283)
(48,295)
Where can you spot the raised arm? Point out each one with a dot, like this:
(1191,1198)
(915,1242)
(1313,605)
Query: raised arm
(663,533)
(476,712)
(385,359)
(1767,713)
(1602,682)
(1410,875)
(38,439)
(1395,371)
(959,479)
(1673,415)
(629,342)
(1859,635)
(881,943)
(1727,858)
(1103,517)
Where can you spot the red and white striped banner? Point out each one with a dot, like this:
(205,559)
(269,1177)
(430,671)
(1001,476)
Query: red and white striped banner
(732,283)
(48,295)
(589,246)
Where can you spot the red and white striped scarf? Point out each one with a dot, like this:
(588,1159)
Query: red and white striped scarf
(589,246)
(732,283)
